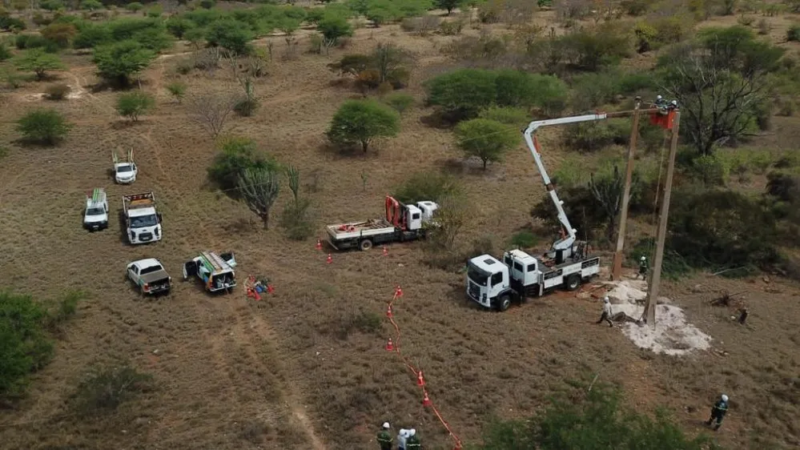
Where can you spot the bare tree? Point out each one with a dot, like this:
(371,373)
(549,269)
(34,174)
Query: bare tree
(259,188)
(608,191)
(450,220)
(211,111)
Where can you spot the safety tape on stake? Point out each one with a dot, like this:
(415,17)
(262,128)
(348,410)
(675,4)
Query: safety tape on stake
(398,292)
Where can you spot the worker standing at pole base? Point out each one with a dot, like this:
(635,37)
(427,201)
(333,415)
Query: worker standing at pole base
(412,443)
(643,268)
(718,411)
(384,438)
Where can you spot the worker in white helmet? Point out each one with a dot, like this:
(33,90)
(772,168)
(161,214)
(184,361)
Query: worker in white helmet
(642,268)
(384,438)
(718,411)
(402,437)
(606,312)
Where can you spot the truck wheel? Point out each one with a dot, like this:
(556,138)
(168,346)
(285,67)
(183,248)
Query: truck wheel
(503,303)
(573,281)
(365,245)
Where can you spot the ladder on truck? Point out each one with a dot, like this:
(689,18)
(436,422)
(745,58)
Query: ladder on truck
(213,263)
(139,200)
(97,195)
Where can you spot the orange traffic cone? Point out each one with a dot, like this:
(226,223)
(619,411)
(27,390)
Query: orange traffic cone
(270,289)
(420,380)
(389,346)
(398,292)
(389,311)
(330,259)
(426,401)
(319,245)
(384,251)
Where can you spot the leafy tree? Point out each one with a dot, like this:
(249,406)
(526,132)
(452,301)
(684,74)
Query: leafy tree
(382,11)
(120,61)
(134,104)
(259,187)
(463,93)
(486,139)
(591,419)
(229,34)
(43,126)
(60,33)
(334,27)
(721,83)
(427,186)
(236,155)
(36,60)
(91,5)
(450,5)
(178,26)
(361,121)
(507,115)
(522,89)
(24,347)
(91,36)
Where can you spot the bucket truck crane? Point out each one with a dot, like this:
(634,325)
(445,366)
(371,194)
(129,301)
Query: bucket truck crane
(493,283)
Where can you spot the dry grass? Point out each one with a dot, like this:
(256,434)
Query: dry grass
(235,374)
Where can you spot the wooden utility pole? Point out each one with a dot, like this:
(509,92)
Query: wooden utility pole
(649,315)
(616,265)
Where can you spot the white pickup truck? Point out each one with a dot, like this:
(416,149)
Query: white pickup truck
(402,223)
(124,171)
(142,222)
(95,214)
(149,275)
(215,271)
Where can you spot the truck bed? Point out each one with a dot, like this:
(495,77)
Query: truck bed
(359,229)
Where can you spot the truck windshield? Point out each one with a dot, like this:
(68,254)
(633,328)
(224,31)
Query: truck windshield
(477,276)
(123,169)
(144,221)
(94,211)
(150,269)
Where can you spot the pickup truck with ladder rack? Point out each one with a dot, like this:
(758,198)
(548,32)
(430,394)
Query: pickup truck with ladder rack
(215,271)
(402,223)
(493,283)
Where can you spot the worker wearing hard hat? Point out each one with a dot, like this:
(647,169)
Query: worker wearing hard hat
(412,443)
(384,438)
(718,411)
(642,268)
(402,438)
(606,312)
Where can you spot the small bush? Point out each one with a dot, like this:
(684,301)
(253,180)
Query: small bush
(296,221)
(134,6)
(134,104)
(5,53)
(451,28)
(57,91)
(635,7)
(427,186)
(177,89)
(236,155)
(43,126)
(246,107)
(709,170)
(104,389)
(363,322)
(25,347)
(423,25)
(506,115)
(399,101)
(64,309)
(524,239)
(793,34)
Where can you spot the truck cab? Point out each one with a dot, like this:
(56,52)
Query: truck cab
(488,282)
(143,223)
(95,216)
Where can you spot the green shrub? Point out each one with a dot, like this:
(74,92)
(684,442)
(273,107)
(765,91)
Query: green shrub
(635,7)
(57,91)
(39,62)
(91,5)
(5,53)
(229,34)
(295,220)
(134,104)
(64,309)
(517,117)
(62,34)
(485,139)
(25,346)
(120,61)
(51,5)
(91,36)
(11,24)
(35,41)
(591,136)
(334,28)
(104,389)
(399,101)
(177,89)
(462,94)
(427,186)
(43,126)
(236,154)
(134,6)
(361,121)
(592,49)
(524,239)
(522,89)
(793,34)
(246,107)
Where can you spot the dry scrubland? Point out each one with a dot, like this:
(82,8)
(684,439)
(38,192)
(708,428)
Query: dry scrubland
(304,368)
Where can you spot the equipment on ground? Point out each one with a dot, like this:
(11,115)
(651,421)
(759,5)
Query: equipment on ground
(124,171)
(142,221)
(402,223)
(216,271)
(95,216)
(149,275)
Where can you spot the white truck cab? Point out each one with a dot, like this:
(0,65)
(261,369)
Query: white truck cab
(143,222)
(124,171)
(95,216)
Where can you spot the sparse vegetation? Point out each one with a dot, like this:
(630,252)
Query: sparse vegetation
(43,126)
(57,91)
(177,89)
(26,348)
(104,389)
